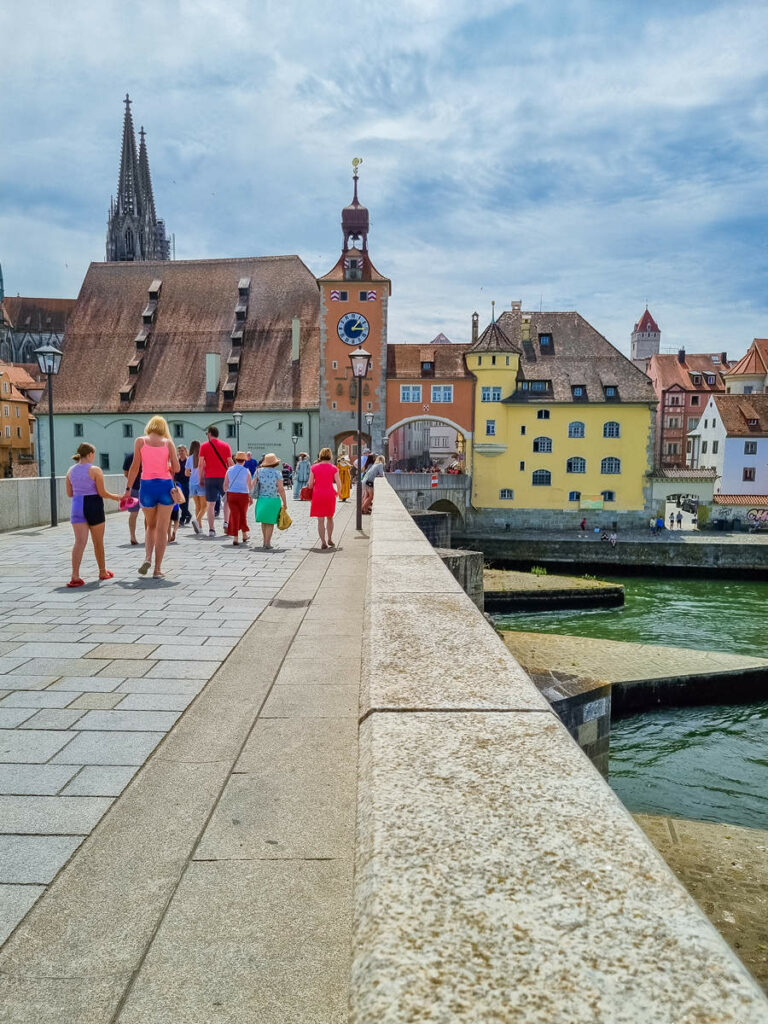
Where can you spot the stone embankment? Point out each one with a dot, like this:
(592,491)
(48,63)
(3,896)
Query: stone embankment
(497,876)
(510,591)
(725,869)
(642,675)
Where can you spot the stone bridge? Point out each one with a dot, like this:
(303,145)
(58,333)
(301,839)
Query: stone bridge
(415,490)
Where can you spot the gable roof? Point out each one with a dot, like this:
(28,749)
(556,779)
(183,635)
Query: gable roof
(577,356)
(194,315)
(646,324)
(754,361)
(405,361)
(736,410)
(666,371)
(35,315)
(18,375)
(369,272)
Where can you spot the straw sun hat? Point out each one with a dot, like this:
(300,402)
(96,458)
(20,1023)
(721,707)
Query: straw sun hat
(270,459)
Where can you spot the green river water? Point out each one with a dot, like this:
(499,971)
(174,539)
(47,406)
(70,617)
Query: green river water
(709,763)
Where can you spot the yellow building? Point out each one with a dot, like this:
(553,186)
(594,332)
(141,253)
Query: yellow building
(16,444)
(563,423)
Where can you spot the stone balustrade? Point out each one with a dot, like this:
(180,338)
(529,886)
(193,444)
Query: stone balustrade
(498,878)
(26,501)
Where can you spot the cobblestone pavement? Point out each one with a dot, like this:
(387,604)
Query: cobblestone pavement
(92,679)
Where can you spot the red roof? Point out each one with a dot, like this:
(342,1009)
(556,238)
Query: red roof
(754,361)
(666,371)
(740,499)
(646,324)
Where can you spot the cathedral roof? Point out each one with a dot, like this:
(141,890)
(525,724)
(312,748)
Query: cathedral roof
(37,315)
(646,324)
(195,315)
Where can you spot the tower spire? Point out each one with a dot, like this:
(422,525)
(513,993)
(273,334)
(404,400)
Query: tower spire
(354,218)
(128,198)
(145,178)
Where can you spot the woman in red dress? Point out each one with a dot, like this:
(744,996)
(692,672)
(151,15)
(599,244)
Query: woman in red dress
(325,483)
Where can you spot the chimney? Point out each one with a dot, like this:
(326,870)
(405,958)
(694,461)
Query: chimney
(681,356)
(724,358)
(295,338)
(475,319)
(516,304)
(212,372)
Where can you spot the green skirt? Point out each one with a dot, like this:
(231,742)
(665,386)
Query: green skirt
(268,509)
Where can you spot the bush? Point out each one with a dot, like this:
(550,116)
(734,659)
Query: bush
(538,570)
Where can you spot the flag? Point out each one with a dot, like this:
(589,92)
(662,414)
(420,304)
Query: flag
(335,295)
(371,296)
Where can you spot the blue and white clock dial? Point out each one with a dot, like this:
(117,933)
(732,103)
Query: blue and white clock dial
(353,328)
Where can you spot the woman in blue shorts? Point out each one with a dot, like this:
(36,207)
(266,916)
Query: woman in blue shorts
(155,453)
(85,486)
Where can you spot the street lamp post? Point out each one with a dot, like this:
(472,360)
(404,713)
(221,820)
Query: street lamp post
(238,418)
(361,362)
(49,361)
(368,422)
(294,442)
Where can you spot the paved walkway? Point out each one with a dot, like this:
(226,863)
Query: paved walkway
(204,841)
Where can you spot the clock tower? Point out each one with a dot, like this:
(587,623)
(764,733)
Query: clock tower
(353,313)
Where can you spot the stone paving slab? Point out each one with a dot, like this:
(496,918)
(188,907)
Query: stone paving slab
(68,659)
(35,858)
(15,902)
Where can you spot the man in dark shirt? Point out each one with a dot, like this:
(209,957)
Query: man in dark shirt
(133,515)
(182,480)
(250,463)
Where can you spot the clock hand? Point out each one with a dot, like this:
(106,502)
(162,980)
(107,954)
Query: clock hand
(357,326)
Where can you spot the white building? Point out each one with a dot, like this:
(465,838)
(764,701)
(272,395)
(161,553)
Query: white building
(732,439)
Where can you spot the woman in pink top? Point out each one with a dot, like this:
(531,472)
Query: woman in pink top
(325,483)
(155,453)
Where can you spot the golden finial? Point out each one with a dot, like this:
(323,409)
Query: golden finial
(355,164)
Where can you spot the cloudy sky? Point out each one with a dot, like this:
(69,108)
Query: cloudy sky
(578,154)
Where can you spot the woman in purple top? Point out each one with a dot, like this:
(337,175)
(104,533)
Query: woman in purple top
(86,487)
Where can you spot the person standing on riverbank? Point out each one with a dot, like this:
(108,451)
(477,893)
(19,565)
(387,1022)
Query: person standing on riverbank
(583,528)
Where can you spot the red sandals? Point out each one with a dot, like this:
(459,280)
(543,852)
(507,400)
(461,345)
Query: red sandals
(76,583)
(106,575)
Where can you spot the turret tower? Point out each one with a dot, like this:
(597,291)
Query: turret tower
(646,339)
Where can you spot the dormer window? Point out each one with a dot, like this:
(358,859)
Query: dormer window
(539,385)
(611,392)
(427,369)
(243,287)
(579,391)
(752,422)
(148,314)
(545,344)
(696,379)
(154,289)
(711,381)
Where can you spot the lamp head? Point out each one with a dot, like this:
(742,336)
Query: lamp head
(48,359)
(361,362)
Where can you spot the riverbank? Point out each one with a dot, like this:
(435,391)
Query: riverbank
(707,554)
(725,869)
(507,590)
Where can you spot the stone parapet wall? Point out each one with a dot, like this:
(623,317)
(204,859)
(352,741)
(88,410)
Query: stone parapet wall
(542,520)
(497,875)
(26,501)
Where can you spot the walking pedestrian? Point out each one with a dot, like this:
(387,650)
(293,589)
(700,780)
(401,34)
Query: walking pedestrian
(613,538)
(671,520)
(155,454)
(345,477)
(324,482)
(237,486)
(251,464)
(679,519)
(375,470)
(133,512)
(287,472)
(86,487)
(215,459)
(583,528)
(196,489)
(659,524)
(301,474)
(652,525)
(183,481)
(270,496)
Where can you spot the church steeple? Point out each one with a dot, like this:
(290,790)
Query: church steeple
(133,230)
(354,218)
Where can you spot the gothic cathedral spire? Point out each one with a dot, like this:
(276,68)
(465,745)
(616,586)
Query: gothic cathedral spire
(133,230)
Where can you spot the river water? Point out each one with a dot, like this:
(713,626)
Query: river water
(711,762)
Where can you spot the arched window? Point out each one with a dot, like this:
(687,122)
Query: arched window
(576,429)
(611,429)
(542,414)
(541,478)
(542,444)
(610,465)
(129,242)
(574,496)
(576,465)
(608,495)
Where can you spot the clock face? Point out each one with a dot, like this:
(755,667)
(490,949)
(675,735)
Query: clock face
(353,328)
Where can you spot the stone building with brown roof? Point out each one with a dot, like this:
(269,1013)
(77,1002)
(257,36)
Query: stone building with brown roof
(198,341)
(683,384)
